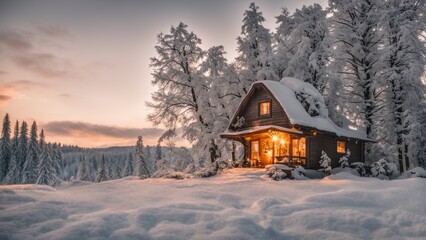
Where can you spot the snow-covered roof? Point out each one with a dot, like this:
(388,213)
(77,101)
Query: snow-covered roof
(284,92)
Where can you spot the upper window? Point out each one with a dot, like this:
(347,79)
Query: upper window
(264,108)
(341,147)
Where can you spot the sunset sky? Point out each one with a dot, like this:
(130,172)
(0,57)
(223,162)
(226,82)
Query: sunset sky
(81,68)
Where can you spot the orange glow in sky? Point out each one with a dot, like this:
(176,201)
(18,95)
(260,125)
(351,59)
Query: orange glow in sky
(81,68)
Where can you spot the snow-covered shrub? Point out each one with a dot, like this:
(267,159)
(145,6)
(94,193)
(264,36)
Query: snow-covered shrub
(325,163)
(383,169)
(299,173)
(219,165)
(364,170)
(279,175)
(415,172)
(344,161)
(163,169)
(276,171)
(177,175)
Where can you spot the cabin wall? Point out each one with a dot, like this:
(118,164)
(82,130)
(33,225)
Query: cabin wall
(251,111)
(328,143)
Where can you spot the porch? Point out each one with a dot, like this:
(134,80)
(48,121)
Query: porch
(271,145)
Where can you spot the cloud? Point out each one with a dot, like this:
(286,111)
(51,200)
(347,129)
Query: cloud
(10,89)
(44,64)
(3,72)
(15,40)
(56,31)
(4,99)
(90,130)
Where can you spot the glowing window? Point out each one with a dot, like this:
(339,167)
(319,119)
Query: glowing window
(264,108)
(341,147)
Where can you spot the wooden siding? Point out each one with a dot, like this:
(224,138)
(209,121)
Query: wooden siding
(328,143)
(250,111)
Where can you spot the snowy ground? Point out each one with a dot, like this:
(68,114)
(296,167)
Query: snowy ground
(239,204)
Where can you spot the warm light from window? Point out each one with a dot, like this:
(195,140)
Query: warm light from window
(274,138)
(341,147)
(264,108)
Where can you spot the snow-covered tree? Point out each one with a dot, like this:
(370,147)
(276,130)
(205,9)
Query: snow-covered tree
(356,57)
(384,169)
(255,49)
(5,147)
(181,88)
(163,169)
(12,176)
(83,173)
(22,151)
(101,173)
(57,159)
(141,168)
(46,170)
(128,166)
(325,163)
(403,28)
(42,141)
(158,154)
(305,37)
(30,171)
(344,161)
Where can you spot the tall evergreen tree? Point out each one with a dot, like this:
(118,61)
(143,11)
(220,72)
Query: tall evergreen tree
(30,171)
(255,48)
(42,141)
(101,174)
(128,166)
(46,170)
(404,59)
(141,168)
(83,173)
(12,176)
(158,154)
(356,59)
(5,147)
(57,159)
(305,36)
(22,152)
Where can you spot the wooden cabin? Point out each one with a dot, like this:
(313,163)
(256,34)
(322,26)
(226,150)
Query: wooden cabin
(275,127)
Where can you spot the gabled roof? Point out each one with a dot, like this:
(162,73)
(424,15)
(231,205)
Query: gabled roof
(284,93)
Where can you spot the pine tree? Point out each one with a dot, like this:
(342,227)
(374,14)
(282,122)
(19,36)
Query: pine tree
(128,166)
(46,171)
(83,173)
(255,48)
(42,141)
(12,176)
(305,36)
(325,162)
(158,154)
(141,168)
(356,57)
(29,173)
(109,171)
(57,159)
(5,147)
(101,174)
(404,59)
(344,161)
(22,152)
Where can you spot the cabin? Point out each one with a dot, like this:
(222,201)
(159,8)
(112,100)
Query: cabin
(287,122)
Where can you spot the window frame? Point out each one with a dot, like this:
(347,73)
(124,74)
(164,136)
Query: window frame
(269,114)
(337,146)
